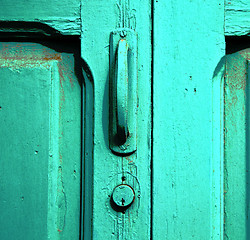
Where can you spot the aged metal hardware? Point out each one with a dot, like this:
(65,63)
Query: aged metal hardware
(122,198)
(123,91)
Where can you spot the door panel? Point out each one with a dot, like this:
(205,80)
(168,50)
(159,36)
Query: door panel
(236,184)
(40,118)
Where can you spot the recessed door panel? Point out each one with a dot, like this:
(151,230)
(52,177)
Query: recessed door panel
(40,119)
(236,177)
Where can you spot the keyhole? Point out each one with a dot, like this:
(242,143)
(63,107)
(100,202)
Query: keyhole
(122,198)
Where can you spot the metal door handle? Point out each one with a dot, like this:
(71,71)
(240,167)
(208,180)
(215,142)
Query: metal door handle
(123,92)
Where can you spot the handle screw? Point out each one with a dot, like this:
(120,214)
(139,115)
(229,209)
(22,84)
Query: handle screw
(123,33)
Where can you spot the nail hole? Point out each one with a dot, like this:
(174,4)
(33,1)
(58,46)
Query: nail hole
(123,178)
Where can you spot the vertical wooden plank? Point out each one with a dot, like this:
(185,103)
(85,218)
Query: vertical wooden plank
(237,145)
(188,45)
(99,19)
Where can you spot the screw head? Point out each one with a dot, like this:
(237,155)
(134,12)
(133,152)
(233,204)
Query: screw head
(123,33)
(123,195)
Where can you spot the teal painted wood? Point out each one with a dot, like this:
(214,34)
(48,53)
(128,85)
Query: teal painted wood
(99,19)
(237,146)
(62,15)
(217,163)
(40,118)
(237,17)
(187,193)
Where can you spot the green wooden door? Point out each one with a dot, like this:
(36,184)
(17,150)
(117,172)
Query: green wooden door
(112,118)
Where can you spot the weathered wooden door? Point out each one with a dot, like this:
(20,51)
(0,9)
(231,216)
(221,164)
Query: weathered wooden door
(112,118)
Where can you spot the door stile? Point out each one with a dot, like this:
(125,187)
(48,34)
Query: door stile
(187,154)
(101,21)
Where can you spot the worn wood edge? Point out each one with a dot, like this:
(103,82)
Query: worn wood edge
(86,227)
(217,164)
(49,27)
(237,21)
(66,26)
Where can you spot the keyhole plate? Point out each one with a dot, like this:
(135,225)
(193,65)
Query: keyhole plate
(123,196)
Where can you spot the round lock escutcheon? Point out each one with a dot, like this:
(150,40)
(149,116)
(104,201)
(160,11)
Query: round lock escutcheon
(122,198)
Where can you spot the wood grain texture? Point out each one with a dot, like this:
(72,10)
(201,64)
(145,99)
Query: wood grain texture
(63,15)
(188,47)
(237,17)
(40,118)
(236,185)
(99,19)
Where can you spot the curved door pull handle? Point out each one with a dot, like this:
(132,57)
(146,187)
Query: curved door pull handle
(121,75)
(123,92)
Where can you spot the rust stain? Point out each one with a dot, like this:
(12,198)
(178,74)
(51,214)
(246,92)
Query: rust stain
(16,56)
(55,56)
(235,78)
(71,80)
(61,160)
(19,52)
(61,76)
(65,73)
(26,55)
(245,53)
